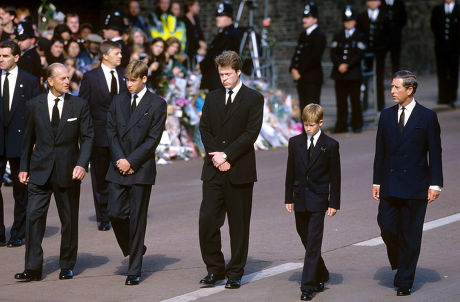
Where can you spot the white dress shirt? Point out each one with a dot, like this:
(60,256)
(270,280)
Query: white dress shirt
(315,139)
(311,28)
(234,92)
(390,2)
(108,76)
(407,111)
(373,14)
(12,77)
(349,32)
(51,97)
(448,7)
(140,95)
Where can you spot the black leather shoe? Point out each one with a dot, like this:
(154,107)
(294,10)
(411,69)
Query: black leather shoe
(403,292)
(319,287)
(233,283)
(2,242)
(28,275)
(14,242)
(104,226)
(306,295)
(144,250)
(66,273)
(211,279)
(132,280)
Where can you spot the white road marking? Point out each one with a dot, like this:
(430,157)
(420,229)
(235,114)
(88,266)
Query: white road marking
(426,226)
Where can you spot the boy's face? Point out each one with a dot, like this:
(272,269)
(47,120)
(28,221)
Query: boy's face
(135,85)
(311,128)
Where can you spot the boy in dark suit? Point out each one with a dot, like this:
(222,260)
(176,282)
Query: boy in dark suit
(312,189)
(135,123)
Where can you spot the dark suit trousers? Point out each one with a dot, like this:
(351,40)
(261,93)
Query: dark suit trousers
(128,207)
(309,92)
(447,63)
(401,225)
(18,230)
(394,48)
(100,161)
(310,226)
(67,202)
(220,197)
(343,90)
(379,77)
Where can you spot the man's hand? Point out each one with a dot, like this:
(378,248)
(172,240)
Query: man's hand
(225,167)
(331,211)
(217,158)
(432,195)
(123,166)
(376,192)
(295,74)
(343,68)
(23,177)
(130,171)
(289,207)
(78,173)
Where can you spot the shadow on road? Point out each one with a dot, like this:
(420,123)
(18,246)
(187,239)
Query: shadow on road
(51,231)
(385,277)
(84,261)
(150,264)
(333,278)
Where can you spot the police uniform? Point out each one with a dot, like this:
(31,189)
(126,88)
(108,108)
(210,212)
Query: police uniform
(377,39)
(228,38)
(29,60)
(397,17)
(445,24)
(348,48)
(307,60)
(115,21)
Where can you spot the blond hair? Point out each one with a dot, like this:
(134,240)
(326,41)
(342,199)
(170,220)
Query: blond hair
(136,69)
(312,113)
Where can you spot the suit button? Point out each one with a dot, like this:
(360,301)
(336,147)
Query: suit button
(391,170)
(224,142)
(19,130)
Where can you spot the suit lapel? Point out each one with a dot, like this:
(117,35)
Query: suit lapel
(18,90)
(316,151)
(45,114)
(303,150)
(102,82)
(66,111)
(139,111)
(221,105)
(235,104)
(411,122)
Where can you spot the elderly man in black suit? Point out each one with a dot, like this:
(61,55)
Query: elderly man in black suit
(56,149)
(229,126)
(135,123)
(17,87)
(98,87)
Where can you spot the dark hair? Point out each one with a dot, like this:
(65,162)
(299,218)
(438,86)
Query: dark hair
(59,29)
(11,45)
(87,25)
(9,9)
(188,3)
(409,79)
(229,58)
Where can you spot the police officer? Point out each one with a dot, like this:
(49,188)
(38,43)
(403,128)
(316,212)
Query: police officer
(29,60)
(397,17)
(228,38)
(114,27)
(445,24)
(374,23)
(347,50)
(305,66)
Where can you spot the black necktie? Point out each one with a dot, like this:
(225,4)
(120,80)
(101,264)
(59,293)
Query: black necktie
(229,101)
(133,104)
(401,120)
(113,85)
(55,116)
(6,99)
(310,149)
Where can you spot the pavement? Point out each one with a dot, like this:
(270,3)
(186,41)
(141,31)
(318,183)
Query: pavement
(173,266)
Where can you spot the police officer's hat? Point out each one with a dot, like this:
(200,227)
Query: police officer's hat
(25,30)
(310,10)
(348,14)
(114,21)
(224,9)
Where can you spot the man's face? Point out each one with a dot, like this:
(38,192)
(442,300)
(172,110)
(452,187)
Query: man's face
(57,48)
(311,128)
(135,85)
(349,24)
(109,34)
(133,8)
(309,21)
(229,76)
(113,57)
(5,17)
(449,1)
(25,44)
(401,95)
(59,81)
(93,47)
(7,60)
(223,21)
(163,5)
(373,4)
(73,23)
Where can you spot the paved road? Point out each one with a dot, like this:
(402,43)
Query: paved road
(173,266)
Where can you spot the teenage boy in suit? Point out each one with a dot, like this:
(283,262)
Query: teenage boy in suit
(312,189)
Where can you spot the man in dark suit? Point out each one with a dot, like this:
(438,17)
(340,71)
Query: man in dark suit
(228,38)
(135,123)
(404,180)
(17,87)
(397,18)
(305,66)
(229,126)
(114,27)
(445,24)
(29,59)
(312,188)
(56,149)
(98,87)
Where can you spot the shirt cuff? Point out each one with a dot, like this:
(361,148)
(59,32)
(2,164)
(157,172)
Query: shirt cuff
(375,185)
(437,188)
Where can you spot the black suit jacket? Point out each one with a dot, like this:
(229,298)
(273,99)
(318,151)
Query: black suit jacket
(377,32)
(442,29)
(308,54)
(42,151)
(406,164)
(397,17)
(27,87)
(95,90)
(30,62)
(313,185)
(233,133)
(347,51)
(135,136)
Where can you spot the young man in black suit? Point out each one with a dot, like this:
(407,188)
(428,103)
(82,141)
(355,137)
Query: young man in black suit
(17,87)
(98,87)
(135,123)
(229,126)
(56,149)
(305,66)
(312,189)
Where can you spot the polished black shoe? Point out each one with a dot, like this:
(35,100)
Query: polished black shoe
(14,242)
(104,226)
(144,250)
(306,295)
(28,275)
(2,242)
(318,287)
(233,283)
(132,280)
(66,273)
(403,292)
(211,279)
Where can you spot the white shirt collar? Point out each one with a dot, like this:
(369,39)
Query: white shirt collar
(107,69)
(373,14)
(409,107)
(51,97)
(13,72)
(349,32)
(234,90)
(311,28)
(389,2)
(315,138)
(448,7)
(140,95)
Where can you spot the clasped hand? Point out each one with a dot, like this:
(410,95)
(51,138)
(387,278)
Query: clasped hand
(124,167)
(220,162)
